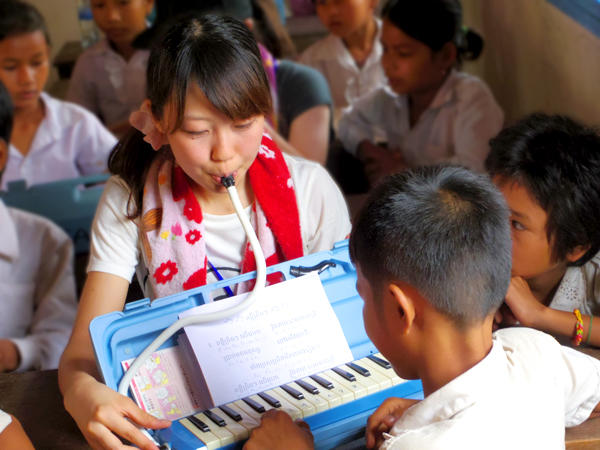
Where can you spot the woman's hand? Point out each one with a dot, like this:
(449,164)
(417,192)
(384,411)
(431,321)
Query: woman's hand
(277,430)
(100,413)
(383,419)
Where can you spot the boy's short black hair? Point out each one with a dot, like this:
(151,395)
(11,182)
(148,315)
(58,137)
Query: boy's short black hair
(443,230)
(6,113)
(17,17)
(558,161)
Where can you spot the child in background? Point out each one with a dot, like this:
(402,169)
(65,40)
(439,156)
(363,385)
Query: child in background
(548,168)
(350,56)
(430,295)
(12,435)
(36,279)
(109,78)
(430,113)
(51,139)
(167,214)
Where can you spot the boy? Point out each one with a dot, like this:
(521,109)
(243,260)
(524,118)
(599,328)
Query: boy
(432,252)
(109,78)
(349,57)
(548,168)
(37,287)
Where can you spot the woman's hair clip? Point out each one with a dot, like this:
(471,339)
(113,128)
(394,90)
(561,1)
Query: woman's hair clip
(142,121)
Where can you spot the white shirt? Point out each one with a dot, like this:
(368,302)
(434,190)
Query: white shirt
(37,287)
(520,396)
(580,288)
(455,128)
(347,81)
(5,420)
(106,84)
(69,142)
(115,245)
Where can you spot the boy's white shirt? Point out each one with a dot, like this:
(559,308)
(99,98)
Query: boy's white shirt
(70,142)
(346,80)
(522,395)
(37,287)
(455,128)
(580,289)
(115,246)
(107,85)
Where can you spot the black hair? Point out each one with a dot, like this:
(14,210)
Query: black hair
(6,113)
(17,17)
(442,230)
(434,23)
(558,161)
(218,53)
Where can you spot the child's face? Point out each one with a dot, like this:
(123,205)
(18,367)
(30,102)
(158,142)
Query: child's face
(344,17)
(24,67)
(121,20)
(410,66)
(532,253)
(209,145)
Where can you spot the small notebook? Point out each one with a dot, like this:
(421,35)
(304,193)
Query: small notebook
(290,332)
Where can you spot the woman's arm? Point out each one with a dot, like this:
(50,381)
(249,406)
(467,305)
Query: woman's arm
(98,410)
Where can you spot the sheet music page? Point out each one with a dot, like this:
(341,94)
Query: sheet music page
(290,332)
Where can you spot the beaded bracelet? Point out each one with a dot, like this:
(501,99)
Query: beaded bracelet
(578,335)
(587,340)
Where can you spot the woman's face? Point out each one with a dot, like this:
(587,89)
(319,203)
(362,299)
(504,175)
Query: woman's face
(24,66)
(209,145)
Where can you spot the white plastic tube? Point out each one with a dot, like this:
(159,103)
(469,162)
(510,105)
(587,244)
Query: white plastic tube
(261,276)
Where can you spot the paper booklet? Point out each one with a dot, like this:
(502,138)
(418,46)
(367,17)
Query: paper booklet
(290,332)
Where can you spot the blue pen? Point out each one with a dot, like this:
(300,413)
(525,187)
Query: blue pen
(220,277)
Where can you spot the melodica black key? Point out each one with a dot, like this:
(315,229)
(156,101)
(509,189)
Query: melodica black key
(215,418)
(199,424)
(322,381)
(379,361)
(359,369)
(344,374)
(270,399)
(254,405)
(231,413)
(293,392)
(307,387)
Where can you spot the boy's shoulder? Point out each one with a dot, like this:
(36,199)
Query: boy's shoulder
(65,114)
(466,86)
(322,49)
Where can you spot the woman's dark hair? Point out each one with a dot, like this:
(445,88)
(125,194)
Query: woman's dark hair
(558,161)
(18,17)
(434,23)
(219,54)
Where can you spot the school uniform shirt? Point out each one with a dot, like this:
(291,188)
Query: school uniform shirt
(580,289)
(37,287)
(522,395)
(115,243)
(455,128)
(107,85)
(70,142)
(347,81)
(5,420)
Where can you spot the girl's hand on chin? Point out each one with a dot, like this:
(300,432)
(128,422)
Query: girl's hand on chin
(103,414)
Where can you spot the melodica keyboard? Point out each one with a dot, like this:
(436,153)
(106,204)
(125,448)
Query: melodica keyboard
(335,403)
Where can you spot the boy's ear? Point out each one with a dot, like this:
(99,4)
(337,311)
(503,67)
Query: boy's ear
(404,306)
(577,253)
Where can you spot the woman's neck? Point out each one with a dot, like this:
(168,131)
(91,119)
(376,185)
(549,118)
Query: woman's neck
(360,43)
(544,286)
(419,101)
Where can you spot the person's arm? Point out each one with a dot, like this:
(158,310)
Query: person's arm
(358,121)
(13,437)
(99,412)
(95,143)
(309,133)
(277,431)
(531,313)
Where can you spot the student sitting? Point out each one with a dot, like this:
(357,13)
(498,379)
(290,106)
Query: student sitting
(431,112)
(350,56)
(51,139)
(432,252)
(109,78)
(548,168)
(36,279)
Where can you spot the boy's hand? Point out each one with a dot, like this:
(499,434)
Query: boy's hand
(383,419)
(523,305)
(101,413)
(379,161)
(277,430)
(9,356)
